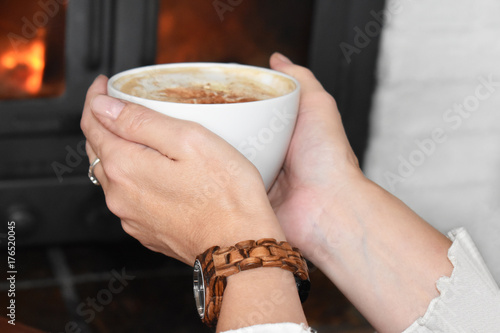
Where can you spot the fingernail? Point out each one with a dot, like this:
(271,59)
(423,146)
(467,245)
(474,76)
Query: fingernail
(99,77)
(283,58)
(107,106)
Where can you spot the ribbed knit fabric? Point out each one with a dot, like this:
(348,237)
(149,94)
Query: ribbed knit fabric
(274,328)
(469,300)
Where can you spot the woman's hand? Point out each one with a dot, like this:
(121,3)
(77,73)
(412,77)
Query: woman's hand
(377,251)
(320,163)
(180,189)
(177,187)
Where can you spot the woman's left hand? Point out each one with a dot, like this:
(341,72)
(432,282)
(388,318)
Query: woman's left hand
(177,187)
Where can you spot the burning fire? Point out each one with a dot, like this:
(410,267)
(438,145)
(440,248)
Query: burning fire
(24,66)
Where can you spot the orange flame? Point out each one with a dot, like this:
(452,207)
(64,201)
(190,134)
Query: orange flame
(27,64)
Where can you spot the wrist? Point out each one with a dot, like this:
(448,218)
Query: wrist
(260,296)
(330,208)
(338,215)
(239,229)
(214,268)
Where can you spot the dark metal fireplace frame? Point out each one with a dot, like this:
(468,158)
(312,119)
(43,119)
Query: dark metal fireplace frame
(43,181)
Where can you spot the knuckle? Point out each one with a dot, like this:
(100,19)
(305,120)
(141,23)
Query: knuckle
(90,94)
(304,71)
(84,124)
(88,147)
(127,228)
(355,160)
(192,135)
(138,119)
(114,171)
(94,135)
(116,205)
(323,98)
(328,99)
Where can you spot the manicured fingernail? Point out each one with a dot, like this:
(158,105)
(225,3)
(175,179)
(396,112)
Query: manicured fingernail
(283,58)
(100,77)
(107,106)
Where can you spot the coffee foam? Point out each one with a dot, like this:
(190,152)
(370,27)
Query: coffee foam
(204,85)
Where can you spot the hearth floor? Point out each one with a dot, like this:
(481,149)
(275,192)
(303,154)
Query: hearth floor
(123,287)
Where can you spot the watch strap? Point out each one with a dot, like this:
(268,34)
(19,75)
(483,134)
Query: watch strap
(219,263)
(215,286)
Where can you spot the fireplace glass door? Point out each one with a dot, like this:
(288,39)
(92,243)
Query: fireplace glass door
(32,49)
(242,31)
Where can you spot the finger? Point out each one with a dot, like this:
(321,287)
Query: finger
(139,124)
(317,106)
(122,161)
(93,130)
(91,127)
(313,97)
(125,170)
(102,142)
(98,87)
(306,78)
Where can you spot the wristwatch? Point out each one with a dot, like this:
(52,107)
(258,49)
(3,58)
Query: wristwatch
(213,266)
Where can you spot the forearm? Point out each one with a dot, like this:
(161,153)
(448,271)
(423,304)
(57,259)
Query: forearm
(380,254)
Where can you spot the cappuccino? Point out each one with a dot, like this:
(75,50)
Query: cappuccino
(208,86)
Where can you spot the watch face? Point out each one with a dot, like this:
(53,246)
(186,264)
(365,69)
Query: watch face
(199,288)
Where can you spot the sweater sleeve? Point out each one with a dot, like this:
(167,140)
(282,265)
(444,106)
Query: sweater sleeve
(469,299)
(275,328)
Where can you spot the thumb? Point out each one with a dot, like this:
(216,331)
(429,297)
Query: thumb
(141,125)
(315,101)
(306,78)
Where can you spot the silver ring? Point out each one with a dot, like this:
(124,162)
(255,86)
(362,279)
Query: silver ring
(92,177)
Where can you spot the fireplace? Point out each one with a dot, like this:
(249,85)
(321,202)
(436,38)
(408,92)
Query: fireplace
(51,50)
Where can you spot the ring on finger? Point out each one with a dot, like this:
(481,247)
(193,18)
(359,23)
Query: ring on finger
(91,175)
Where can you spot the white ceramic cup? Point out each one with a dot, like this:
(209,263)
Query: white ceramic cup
(260,130)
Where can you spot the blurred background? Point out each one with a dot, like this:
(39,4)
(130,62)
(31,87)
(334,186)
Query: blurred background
(417,84)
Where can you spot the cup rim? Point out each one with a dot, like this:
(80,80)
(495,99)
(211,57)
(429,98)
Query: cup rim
(125,96)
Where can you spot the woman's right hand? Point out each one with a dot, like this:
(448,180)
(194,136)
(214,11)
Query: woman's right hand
(320,163)
(382,256)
